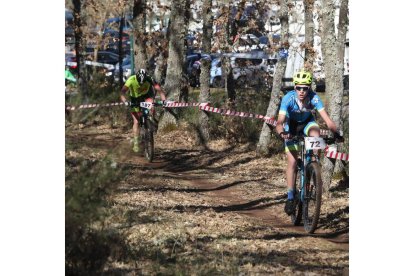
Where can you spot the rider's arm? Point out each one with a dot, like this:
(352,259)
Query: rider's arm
(279,125)
(331,125)
(317,102)
(124,90)
(159,89)
(281,118)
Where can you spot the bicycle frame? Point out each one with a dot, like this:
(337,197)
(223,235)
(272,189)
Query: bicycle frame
(146,112)
(147,129)
(309,197)
(304,158)
(144,116)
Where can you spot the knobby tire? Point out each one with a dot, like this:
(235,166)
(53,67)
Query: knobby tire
(313,197)
(148,141)
(296,217)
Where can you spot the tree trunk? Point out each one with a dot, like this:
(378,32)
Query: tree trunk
(231,124)
(309,35)
(205,70)
(160,68)
(138,21)
(264,140)
(79,47)
(334,68)
(342,28)
(178,30)
(120,52)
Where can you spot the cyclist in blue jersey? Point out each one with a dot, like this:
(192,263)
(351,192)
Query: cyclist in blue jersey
(295,118)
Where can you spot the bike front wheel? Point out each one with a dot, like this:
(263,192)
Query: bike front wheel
(296,217)
(313,197)
(148,139)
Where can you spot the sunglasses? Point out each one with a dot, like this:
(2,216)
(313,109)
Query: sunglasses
(302,88)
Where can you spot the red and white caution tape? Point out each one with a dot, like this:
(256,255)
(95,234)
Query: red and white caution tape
(227,112)
(324,132)
(332,153)
(83,106)
(175,104)
(202,106)
(224,112)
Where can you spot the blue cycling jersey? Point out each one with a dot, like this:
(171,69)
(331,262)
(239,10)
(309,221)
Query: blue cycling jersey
(294,110)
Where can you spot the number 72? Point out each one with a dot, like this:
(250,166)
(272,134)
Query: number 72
(314,144)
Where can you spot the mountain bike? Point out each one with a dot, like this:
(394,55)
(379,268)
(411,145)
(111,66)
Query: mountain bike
(308,198)
(147,128)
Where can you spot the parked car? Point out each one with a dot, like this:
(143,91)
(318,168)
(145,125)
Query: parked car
(126,69)
(68,16)
(193,68)
(190,59)
(70,60)
(215,74)
(246,43)
(104,57)
(115,21)
(69,31)
(246,68)
(264,40)
(111,41)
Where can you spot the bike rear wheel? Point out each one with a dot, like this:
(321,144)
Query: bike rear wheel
(296,217)
(313,197)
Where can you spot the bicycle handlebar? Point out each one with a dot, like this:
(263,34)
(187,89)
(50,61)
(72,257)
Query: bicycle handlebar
(328,140)
(155,103)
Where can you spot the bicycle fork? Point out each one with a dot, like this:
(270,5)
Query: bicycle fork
(301,171)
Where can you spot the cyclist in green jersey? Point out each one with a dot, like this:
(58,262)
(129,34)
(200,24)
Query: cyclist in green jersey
(141,87)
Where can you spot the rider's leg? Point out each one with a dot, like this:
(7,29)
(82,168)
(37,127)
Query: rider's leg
(291,149)
(136,130)
(292,157)
(150,100)
(312,130)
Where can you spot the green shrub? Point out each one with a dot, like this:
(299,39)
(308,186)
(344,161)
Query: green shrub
(88,186)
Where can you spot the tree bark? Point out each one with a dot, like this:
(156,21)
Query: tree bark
(342,29)
(160,68)
(205,70)
(79,48)
(264,140)
(334,68)
(120,52)
(178,29)
(309,35)
(138,21)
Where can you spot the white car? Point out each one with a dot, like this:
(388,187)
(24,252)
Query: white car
(215,73)
(246,67)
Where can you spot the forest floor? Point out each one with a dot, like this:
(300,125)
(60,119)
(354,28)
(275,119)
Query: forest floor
(207,211)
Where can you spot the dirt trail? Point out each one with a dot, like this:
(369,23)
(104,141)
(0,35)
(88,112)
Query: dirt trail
(264,214)
(221,205)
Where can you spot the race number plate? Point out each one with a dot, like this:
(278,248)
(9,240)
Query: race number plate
(314,143)
(145,105)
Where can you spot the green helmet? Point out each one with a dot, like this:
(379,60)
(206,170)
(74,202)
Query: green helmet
(302,77)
